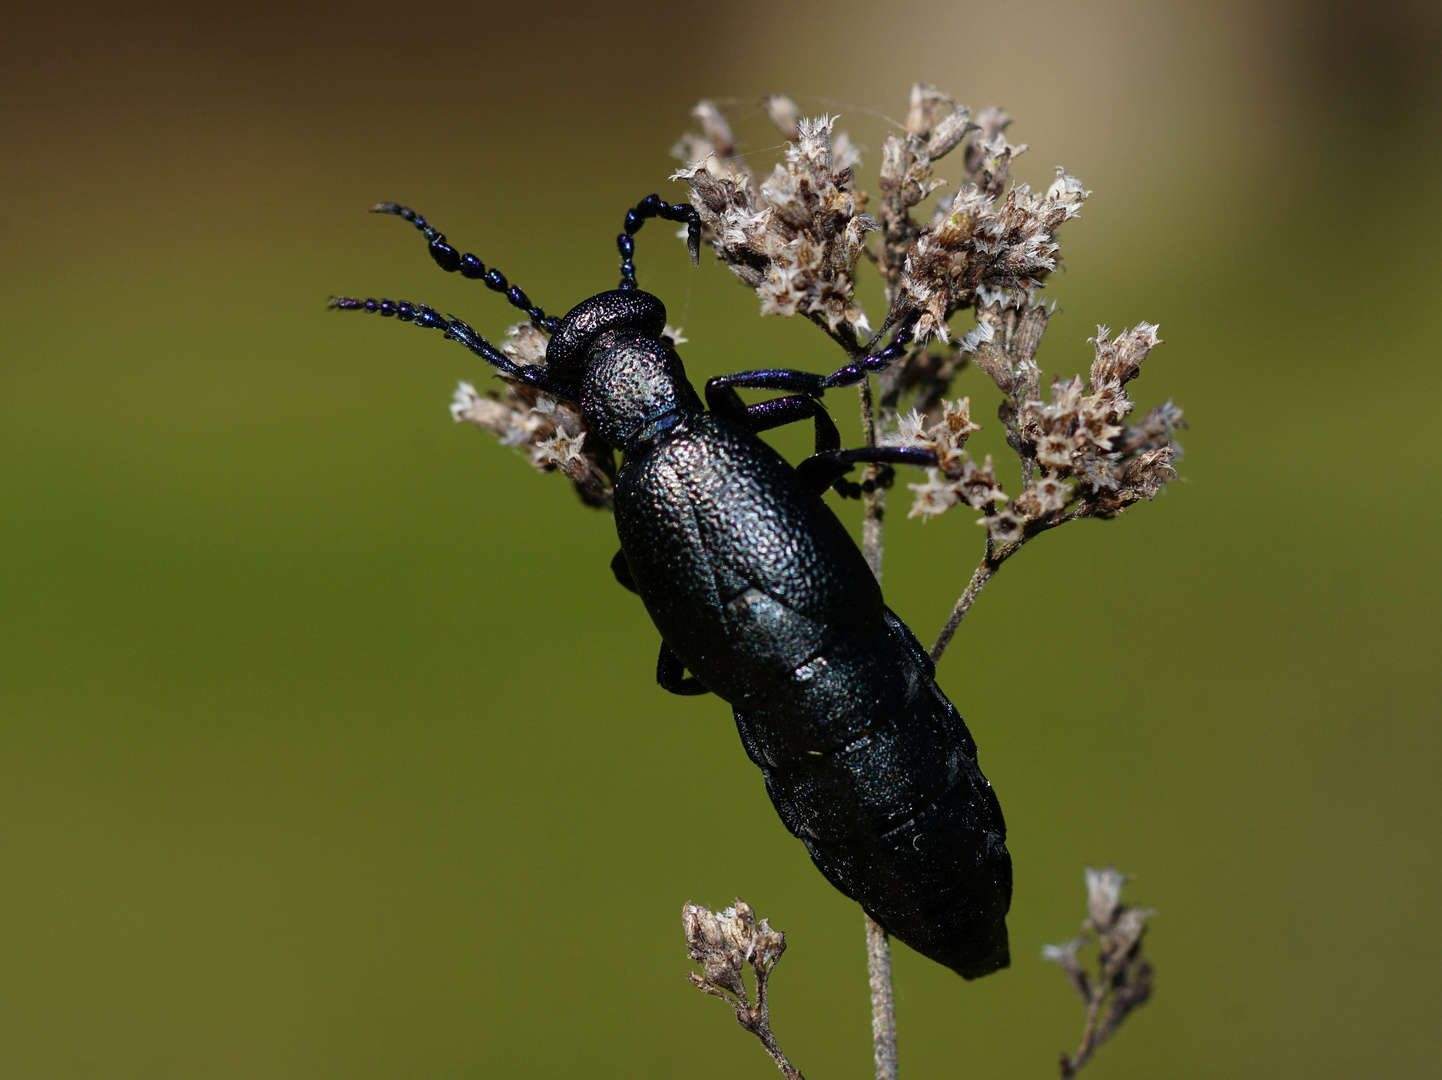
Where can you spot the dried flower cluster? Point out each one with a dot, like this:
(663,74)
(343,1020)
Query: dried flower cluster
(724,944)
(1123,978)
(794,237)
(554,431)
(982,249)
(1079,458)
(987,247)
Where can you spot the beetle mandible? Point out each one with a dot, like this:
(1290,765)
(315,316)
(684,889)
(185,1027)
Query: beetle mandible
(760,594)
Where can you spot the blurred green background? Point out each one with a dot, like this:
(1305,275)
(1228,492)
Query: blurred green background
(330,748)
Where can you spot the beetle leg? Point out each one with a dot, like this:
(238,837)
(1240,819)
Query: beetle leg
(765,415)
(537,375)
(826,469)
(858,369)
(451,260)
(811,384)
(670,672)
(789,379)
(622,571)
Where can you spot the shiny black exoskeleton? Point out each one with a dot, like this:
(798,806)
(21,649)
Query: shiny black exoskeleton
(760,593)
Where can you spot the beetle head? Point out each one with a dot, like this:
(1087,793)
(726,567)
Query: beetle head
(629,374)
(629,311)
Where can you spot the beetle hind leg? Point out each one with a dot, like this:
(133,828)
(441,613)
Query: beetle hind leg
(622,571)
(828,468)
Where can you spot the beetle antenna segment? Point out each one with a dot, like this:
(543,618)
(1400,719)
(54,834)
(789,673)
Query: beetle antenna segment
(450,260)
(536,375)
(649,207)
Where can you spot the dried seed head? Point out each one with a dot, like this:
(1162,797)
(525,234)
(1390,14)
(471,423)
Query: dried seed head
(1104,896)
(1123,979)
(554,431)
(796,237)
(709,944)
(945,439)
(1066,956)
(928,104)
(991,122)
(973,484)
(715,128)
(983,242)
(1006,526)
(1119,361)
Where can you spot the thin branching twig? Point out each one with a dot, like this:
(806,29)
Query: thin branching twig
(1122,982)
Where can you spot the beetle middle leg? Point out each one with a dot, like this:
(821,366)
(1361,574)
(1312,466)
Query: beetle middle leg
(671,674)
(778,412)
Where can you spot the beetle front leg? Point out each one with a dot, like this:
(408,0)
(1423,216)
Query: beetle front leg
(671,674)
(788,379)
(778,412)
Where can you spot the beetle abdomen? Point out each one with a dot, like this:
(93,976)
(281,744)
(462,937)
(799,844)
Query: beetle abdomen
(761,593)
(884,789)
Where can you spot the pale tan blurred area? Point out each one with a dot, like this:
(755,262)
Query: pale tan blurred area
(1143,100)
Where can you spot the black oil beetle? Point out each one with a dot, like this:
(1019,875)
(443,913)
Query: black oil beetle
(760,594)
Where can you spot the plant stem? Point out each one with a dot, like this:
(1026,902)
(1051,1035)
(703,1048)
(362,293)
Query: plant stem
(1070,1066)
(978,580)
(883,1013)
(996,554)
(878,948)
(873,502)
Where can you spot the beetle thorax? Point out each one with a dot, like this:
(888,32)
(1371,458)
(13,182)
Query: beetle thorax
(631,381)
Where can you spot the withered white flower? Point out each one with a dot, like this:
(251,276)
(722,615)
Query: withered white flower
(796,237)
(1005,526)
(554,431)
